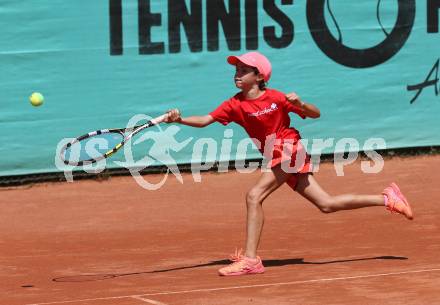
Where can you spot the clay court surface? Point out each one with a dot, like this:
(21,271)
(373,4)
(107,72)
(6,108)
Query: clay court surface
(58,240)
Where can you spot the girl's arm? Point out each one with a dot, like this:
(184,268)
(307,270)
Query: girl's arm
(194,121)
(197,121)
(308,109)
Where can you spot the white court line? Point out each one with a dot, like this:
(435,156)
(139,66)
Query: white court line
(247,286)
(149,301)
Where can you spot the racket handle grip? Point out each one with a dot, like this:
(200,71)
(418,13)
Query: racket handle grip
(159,119)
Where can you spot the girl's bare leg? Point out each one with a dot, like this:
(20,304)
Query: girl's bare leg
(268,182)
(309,188)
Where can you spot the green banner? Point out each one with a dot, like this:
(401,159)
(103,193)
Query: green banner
(370,66)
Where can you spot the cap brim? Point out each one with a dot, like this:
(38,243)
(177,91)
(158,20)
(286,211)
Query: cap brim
(232,60)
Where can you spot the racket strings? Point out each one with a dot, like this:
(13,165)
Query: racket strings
(93,146)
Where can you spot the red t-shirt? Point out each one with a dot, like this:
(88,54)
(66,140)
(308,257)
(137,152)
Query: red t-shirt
(263,117)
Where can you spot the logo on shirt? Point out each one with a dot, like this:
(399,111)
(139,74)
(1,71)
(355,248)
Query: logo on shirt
(266,110)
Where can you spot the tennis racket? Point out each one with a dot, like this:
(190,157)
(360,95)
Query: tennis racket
(100,144)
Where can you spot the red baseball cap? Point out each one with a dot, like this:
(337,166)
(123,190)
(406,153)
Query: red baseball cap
(253,59)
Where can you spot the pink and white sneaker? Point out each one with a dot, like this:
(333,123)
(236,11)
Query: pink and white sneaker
(396,202)
(242,265)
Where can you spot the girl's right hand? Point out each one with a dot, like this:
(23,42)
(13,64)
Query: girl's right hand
(173,115)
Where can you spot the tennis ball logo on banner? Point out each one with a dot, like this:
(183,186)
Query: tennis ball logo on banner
(354,57)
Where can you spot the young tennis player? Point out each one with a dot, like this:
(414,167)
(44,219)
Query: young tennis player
(263,113)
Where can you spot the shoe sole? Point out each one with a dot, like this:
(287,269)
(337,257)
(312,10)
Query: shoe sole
(258,271)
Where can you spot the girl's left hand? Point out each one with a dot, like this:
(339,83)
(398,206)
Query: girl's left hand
(294,99)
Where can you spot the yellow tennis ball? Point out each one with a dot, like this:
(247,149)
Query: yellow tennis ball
(36,99)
